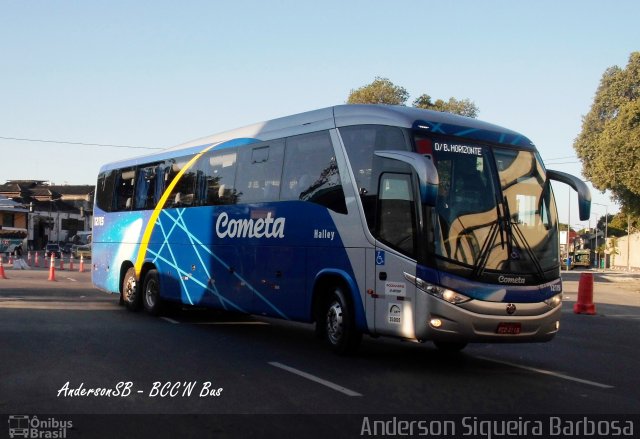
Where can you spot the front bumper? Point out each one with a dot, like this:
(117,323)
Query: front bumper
(477,321)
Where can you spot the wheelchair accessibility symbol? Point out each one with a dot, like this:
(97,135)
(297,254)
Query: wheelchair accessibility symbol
(379,257)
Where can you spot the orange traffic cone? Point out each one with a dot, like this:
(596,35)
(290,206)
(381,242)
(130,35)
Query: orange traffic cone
(35,261)
(81,270)
(52,268)
(71,263)
(2,275)
(61,262)
(29,259)
(584,304)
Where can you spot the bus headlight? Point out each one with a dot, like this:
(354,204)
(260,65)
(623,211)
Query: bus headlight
(554,301)
(445,294)
(435,290)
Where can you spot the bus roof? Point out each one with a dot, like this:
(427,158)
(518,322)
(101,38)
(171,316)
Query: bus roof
(347,115)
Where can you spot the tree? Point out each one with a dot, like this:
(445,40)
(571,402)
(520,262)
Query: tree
(383,91)
(380,91)
(621,222)
(609,142)
(612,227)
(463,107)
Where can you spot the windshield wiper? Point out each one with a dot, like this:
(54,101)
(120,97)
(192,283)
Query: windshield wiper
(483,257)
(511,226)
(506,217)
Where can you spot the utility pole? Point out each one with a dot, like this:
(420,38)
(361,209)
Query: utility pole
(606,229)
(628,242)
(569,231)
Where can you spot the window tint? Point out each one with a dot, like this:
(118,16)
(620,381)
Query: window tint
(396,211)
(220,171)
(104,190)
(259,172)
(124,189)
(360,142)
(311,172)
(146,196)
(185,192)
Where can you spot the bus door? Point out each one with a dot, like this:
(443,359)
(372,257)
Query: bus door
(395,232)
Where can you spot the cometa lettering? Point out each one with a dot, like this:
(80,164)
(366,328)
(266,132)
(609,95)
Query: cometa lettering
(511,280)
(268,227)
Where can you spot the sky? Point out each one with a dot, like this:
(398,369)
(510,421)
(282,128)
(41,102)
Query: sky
(154,74)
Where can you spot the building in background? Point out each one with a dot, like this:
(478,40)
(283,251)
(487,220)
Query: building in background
(52,213)
(13,224)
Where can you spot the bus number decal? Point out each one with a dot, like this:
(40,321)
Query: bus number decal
(395,314)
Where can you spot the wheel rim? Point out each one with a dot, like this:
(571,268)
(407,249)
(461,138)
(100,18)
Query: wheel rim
(151,293)
(130,289)
(334,323)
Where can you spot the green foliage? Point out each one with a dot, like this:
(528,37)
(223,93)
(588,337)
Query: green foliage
(463,107)
(383,91)
(380,91)
(621,222)
(609,143)
(613,229)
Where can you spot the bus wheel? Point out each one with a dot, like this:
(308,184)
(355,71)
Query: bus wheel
(450,346)
(131,290)
(340,330)
(151,296)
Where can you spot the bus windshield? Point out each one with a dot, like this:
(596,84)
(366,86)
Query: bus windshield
(494,211)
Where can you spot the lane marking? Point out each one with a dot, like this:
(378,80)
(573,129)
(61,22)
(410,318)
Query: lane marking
(175,322)
(71,279)
(548,372)
(316,379)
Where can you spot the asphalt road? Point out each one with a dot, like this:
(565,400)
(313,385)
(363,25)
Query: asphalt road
(57,338)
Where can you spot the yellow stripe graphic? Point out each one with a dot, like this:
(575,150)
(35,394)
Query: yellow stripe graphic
(144,243)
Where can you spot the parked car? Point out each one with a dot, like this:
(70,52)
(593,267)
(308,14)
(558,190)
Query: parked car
(53,249)
(81,245)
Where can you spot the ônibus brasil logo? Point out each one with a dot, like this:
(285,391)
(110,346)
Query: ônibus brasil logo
(32,427)
(267,227)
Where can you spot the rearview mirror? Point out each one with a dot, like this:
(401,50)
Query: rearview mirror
(424,167)
(584,194)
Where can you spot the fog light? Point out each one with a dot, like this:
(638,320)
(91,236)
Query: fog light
(557,325)
(435,323)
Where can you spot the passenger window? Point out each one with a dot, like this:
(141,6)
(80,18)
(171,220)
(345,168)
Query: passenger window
(124,189)
(220,177)
(360,142)
(311,172)
(185,192)
(105,190)
(397,212)
(145,188)
(259,172)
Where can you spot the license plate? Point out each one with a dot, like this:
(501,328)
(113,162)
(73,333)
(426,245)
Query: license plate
(509,328)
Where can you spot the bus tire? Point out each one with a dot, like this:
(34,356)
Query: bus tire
(340,330)
(131,291)
(151,297)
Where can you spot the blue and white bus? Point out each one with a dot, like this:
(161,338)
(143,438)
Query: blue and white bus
(364,219)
